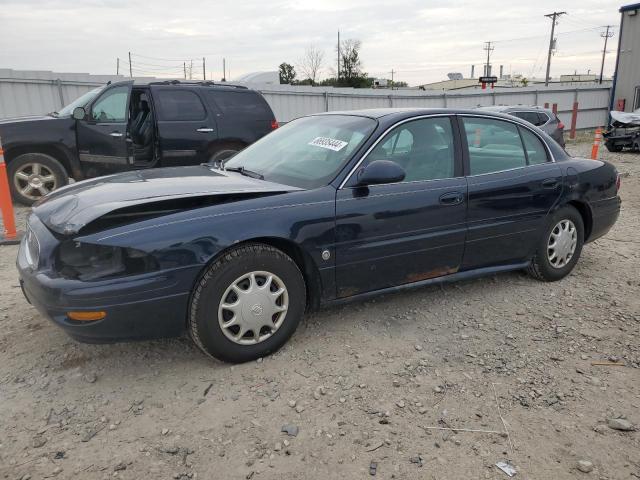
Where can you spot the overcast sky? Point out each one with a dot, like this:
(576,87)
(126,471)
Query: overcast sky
(421,40)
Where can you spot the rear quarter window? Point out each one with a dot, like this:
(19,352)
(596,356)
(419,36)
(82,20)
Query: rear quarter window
(241,102)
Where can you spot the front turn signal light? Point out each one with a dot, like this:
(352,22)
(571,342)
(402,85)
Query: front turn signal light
(86,316)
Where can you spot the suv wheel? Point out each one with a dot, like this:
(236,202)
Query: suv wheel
(33,175)
(560,246)
(247,304)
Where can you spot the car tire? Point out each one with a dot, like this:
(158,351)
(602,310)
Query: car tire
(33,175)
(612,147)
(227,282)
(564,237)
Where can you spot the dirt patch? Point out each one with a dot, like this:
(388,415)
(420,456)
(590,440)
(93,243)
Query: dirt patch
(424,384)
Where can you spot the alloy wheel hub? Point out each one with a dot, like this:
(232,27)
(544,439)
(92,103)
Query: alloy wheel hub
(562,243)
(34,180)
(253,307)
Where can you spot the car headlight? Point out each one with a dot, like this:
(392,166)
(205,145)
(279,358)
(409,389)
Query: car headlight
(32,248)
(86,261)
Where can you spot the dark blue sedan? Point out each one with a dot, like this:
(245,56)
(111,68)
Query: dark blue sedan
(329,208)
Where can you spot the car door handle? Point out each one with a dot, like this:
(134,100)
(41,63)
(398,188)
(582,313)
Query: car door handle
(204,130)
(116,134)
(451,198)
(550,183)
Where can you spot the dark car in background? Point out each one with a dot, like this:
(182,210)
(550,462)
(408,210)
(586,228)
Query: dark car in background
(543,118)
(328,208)
(128,126)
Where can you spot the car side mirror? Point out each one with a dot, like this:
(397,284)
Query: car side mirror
(380,172)
(79,113)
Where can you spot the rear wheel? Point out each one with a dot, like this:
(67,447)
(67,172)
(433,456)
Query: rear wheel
(613,147)
(559,248)
(247,304)
(33,175)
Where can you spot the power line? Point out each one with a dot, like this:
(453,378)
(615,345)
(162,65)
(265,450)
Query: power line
(553,16)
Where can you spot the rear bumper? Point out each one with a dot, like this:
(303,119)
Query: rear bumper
(152,305)
(604,213)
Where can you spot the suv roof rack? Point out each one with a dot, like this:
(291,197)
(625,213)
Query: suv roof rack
(204,83)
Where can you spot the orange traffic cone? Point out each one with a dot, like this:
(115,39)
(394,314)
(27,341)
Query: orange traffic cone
(10,235)
(596,144)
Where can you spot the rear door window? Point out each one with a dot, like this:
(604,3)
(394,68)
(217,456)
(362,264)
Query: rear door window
(179,105)
(494,146)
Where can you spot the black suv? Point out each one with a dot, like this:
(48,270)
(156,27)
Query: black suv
(128,126)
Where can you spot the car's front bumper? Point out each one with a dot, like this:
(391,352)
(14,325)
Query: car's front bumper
(152,305)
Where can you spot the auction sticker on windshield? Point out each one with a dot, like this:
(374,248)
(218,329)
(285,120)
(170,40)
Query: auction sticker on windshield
(330,143)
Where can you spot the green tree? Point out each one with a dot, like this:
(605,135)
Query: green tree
(287,73)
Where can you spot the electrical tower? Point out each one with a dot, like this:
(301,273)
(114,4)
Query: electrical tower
(606,35)
(487,68)
(553,16)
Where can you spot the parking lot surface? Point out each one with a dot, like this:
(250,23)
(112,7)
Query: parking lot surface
(441,382)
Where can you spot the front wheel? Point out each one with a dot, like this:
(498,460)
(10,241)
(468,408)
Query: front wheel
(247,304)
(33,175)
(559,248)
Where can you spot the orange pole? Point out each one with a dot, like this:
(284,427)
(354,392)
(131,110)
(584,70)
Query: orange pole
(8,218)
(596,144)
(476,139)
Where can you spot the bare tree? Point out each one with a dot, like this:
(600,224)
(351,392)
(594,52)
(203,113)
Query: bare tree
(311,63)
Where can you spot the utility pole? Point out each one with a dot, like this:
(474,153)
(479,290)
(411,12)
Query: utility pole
(553,16)
(606,35)
(204,70)
(191,70)
(392,72)
(118,66)
(184,66)
(224,69)
(130,70)
(338,56)
(487,67)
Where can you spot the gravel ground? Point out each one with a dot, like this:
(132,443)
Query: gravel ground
(367,382)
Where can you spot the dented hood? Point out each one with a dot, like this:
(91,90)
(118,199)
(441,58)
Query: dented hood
(70,208)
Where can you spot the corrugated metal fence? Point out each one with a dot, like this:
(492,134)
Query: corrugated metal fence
(39,92)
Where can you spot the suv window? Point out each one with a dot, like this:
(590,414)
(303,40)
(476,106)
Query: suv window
(542,119)
(423,148)
(536,153)
(531,117)
(240,103)
(111,106)
(179,105)
(494,145)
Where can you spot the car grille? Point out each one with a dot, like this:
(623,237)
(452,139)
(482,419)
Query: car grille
(32,248)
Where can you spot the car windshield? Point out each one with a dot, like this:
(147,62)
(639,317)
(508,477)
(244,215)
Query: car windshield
(79,102)
(306,153)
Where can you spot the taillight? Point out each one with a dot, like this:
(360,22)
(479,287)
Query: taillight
(560,126)
(618,183)
(274,124)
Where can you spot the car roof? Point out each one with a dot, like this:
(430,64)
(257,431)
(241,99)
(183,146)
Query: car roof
(397,112)
(520,108)
(185,83)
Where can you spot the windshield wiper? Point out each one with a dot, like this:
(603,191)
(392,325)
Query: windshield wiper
(245,172)
(54,114)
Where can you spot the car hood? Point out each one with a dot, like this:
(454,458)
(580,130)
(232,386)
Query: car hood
(70,208)
(31,118)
